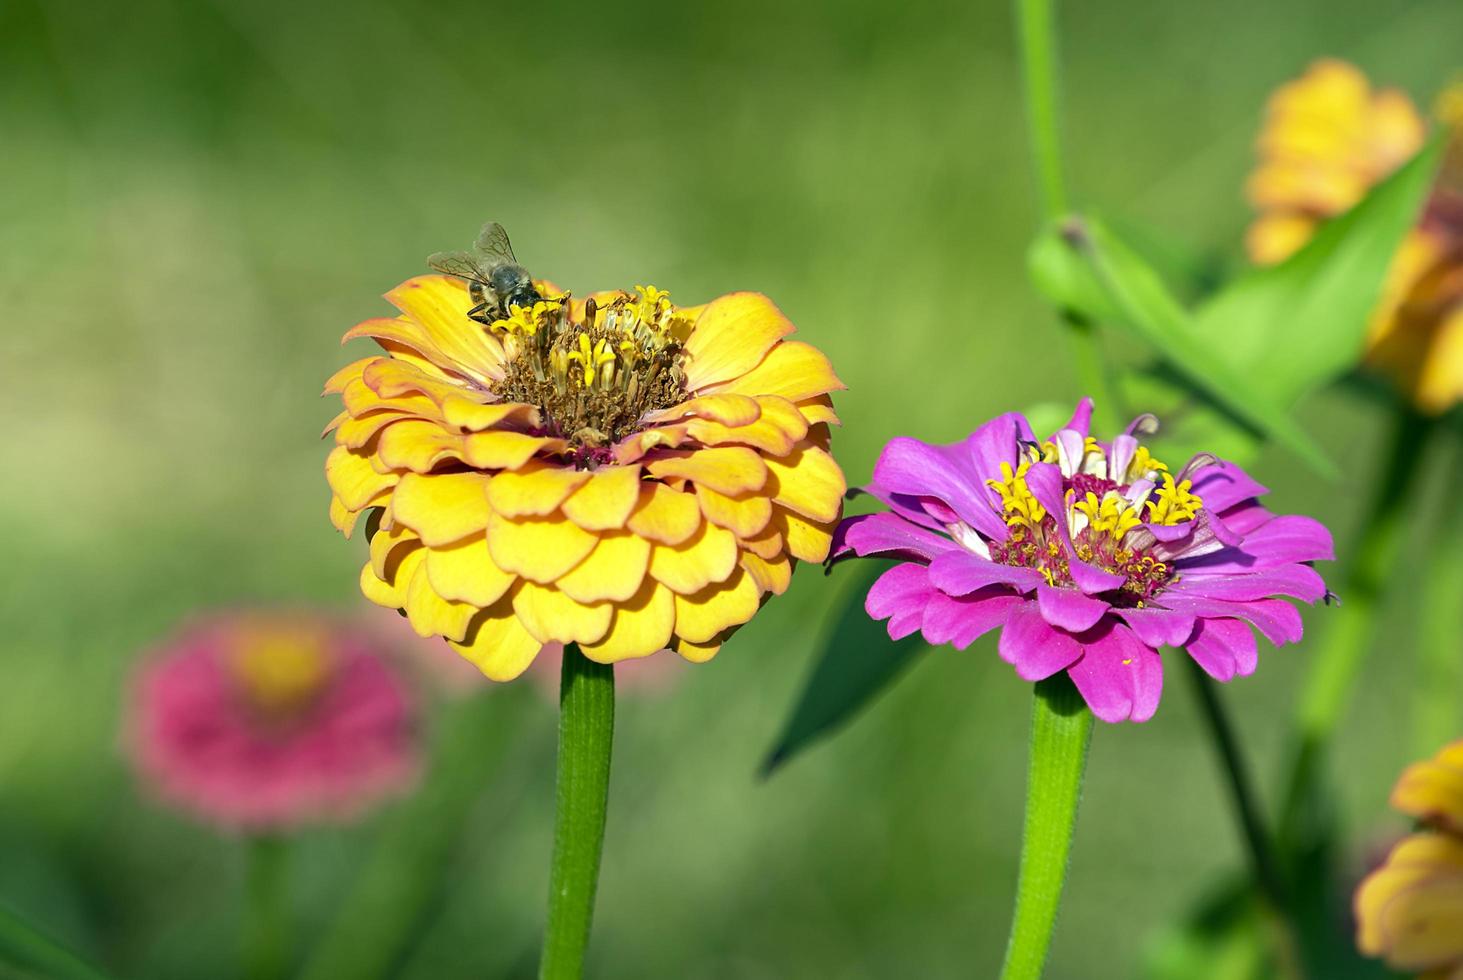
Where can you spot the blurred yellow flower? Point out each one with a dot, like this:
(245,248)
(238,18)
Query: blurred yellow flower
(613,472)
(1328,138)
(1410,910)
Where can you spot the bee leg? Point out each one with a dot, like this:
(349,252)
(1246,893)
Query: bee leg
(480,314)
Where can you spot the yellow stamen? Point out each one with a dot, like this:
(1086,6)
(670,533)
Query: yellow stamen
(1017,503)
(1172,504)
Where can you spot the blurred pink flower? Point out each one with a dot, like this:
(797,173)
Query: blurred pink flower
(263,721)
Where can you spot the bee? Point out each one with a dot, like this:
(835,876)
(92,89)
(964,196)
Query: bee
(495,280)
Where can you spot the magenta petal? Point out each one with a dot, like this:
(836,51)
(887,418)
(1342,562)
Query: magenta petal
(1120,678)
(1035,649)
(1159,627)
(996,442)
(1081,419)
(918,469)
(882,534)
(1276,618)
(900,596)
(961,621)
(1068,608)
(1222,485)
(1045,483)
(1300,581)
(960,573)
(1224,648)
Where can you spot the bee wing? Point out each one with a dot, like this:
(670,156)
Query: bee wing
(464,265)
(493,243)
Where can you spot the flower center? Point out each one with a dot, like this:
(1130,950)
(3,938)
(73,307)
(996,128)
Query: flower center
(597,377)
(279,669)
(1105,514)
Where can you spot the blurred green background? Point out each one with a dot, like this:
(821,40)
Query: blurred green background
(198,198)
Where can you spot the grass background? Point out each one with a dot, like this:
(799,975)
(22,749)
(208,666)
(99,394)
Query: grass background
(198,198)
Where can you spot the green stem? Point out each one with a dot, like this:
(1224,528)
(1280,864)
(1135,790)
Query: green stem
(586,736)
(1333,673)
(1438,709)
(35,953)
(1061,731)
(1264,862)
(1039,76)
(266,937)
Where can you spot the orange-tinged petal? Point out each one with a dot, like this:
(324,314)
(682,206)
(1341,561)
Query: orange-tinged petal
(439,305)
(769,544)
(360,400)
(498,643)
(535,490)
(806,540)
(343,519)
(726,469)
(432,615)
(605,502)
(641,626)
(466,572)
(442,507)
(732,410)
(697,653)
(665,515)
(633,447)
(819,409)
(709,556)
(700,617)
(539,548)
(792,369)
(613,571)
(353,479)
(336,383)
(809,482)
(744,516)
(356,433)
(551,616)
(730,337)
(498,450)
(417,445)
(770,576)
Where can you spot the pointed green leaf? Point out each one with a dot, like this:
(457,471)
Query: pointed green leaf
(858,661)
(25,947)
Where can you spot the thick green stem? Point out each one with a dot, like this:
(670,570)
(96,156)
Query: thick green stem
(266,937)
(37,954)
(1039,75)
(1061,730)
(1264,862)
(586,735)
(1438,707)
(1334,671)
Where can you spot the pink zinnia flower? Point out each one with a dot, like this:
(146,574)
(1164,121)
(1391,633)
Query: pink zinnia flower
(263,721)
(1088,556)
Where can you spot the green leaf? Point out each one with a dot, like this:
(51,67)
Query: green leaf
(1088,271)
(858,661)
(24,947)
(1297,325)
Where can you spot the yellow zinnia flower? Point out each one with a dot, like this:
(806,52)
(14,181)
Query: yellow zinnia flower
(1328,138)
(1410,910)
(613,472)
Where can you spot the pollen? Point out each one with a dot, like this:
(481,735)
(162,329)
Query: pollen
(1020,507)
(1173,503)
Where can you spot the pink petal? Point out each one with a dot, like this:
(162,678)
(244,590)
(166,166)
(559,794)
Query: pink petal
(961,621)
(1224,648)
(1159,627)
(960,573)
(883,534)
(1034,647)
(1069,608)
(900,595)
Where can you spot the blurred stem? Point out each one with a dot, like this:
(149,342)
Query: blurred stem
(372,930)
(1438,709)
(21,945)
(1264,863)
(586,736)
(1061,731)
(1334,670)
(1037,34)
(266,936)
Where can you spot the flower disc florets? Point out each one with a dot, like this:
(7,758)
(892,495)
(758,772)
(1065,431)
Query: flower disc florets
(1087,555)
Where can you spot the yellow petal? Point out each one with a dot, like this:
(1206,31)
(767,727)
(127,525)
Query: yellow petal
(665,515)
(551,616)
(391,594)
(820,409)
(809,482)
(438,305)
(442,507)
(337,381)
(744,516)
(432,615)
(497,450)
(770,576)
(633,448)
(465,572)
(1416,858)
(732,410)
(498,644)
(388,547)
(535,490)
(640,626)
(613,571)
(726,469)
(605,502)
(710,555)
(792,369)
(343,518)
(769,544)
(355,433)
(538,548)
(1432,791)
(697,653)
(730,337)
(702,616)
(353,479)
(417,445)
(1424,924)
(806,540)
